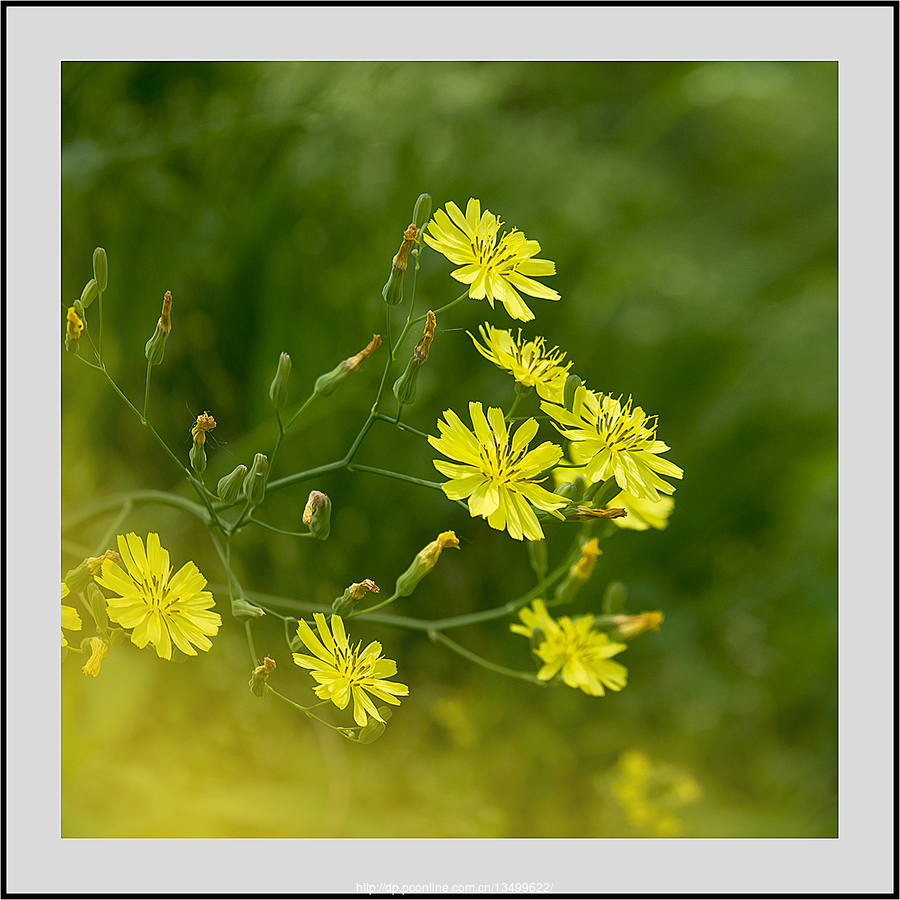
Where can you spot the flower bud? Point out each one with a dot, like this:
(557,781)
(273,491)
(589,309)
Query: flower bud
(393,290)
(95,563)
(425,561)
(627,627)
(327,384)
(155,348)
(74,327)
(573,382)
(405,385)
(199,429)
(537,556)
(229,486)
(614,598)
(89,294)
(578,573)
(422,211)
(101,268)
(98,607)
(317,515)
(79,578)
(586,513)
(79,309)
(243,610)
(278,389)
(373,729)
(565,489)
(255,482)
(198,458)
(116,636)
(259,677)
(353,595)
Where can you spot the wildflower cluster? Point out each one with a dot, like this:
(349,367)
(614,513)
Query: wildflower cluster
(493,463)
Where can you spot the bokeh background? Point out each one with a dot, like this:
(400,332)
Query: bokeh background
(691,211)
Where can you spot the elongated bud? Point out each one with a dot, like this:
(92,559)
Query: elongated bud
(537,556)
(422,211)
(565,489)
(278,389)
(229,486)
(393,289)
(89,294)
(155,348)
(627,627)
(98,607)
(425,561)
(405,385)
(317,515)
(579,572)
(614,598)
(373,729)
(255,482)
(573,382)
(243,610)
(353,595)
(101,268)
(199,429)
(259,677)
(327,384)
(74,327)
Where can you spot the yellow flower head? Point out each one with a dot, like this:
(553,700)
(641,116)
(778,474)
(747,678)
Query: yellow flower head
(74,325)
(492,267)
(343,672)
(203,424)
(615,440)
(161,608)
(99,652)
(574,648)
(529,362)
(496,472)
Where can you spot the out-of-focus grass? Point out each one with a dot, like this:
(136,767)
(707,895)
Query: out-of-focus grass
(691,211)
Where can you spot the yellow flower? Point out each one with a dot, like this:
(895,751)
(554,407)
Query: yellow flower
(70,618)
(615,440)
(99,652)
(643,514)
(575,648)
(343,672)
(492,268)
(74,325)
(529,362)
(162,609)
(495,472)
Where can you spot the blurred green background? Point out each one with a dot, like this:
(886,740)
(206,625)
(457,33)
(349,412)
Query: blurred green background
(691,211)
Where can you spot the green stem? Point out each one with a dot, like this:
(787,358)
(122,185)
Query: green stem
(437,312)
(478,660)
(401,425)
(306,403)
(357,467)
(279,530)
(146,393)
(368,609)
(87,513)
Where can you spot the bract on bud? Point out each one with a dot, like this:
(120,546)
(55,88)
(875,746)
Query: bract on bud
(101,268)
(425,561)
(422,211)
(229,486)
(98,607)
(155,348)
(259,677)
(327,384)
(317,515)
(278,389)
(255,482)
(89,294)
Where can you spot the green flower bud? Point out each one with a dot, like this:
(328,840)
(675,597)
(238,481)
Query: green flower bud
(229,486)
(155,348)
(422,211)
(278,390)
(345,603)
(425,561)
(198,458)
(255,482)
(614,598)
(243,610)
(565,489)
(98,607)
(573,382)
(327,384)
(405,385)
(78,306)
(373,729)
(79,578)
(101,268)
(89,294)
(259,677)
(116,636)
(393,290)
(317,515)
(537,556)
